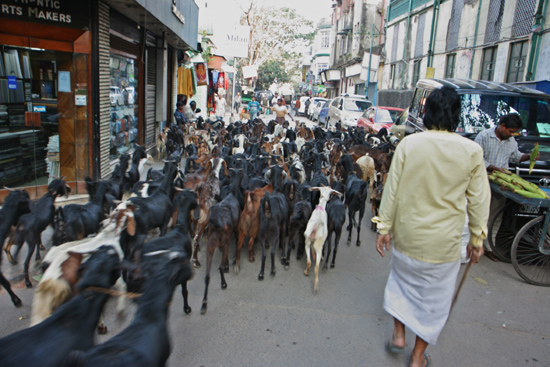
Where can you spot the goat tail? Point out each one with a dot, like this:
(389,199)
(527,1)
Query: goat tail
(49,295)
(75,358)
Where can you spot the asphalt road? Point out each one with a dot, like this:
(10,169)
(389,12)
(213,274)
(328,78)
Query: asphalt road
(499,320)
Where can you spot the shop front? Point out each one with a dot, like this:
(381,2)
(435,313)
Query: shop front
(45,79)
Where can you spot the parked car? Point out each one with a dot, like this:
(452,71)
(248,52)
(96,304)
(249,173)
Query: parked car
(313,105)
(347,109)
(317,109)
(482,105)
(376,118)
(323,113)
(116,97)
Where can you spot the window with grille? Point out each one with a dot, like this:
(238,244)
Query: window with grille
(454,25)
(450,66)
(488,64)
(325,41)
(494,21)
(523,18)
(395,42)
(418,49)
(516,64)
(416,72)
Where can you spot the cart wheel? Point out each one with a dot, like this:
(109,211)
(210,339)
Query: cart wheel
(532,265)
(503,229)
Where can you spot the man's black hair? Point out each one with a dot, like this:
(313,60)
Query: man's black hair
(442,109)
(511,121)
(193,104)
(179,104)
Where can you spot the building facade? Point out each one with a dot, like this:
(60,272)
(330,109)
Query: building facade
(357,41)
(82,82)
(493,40)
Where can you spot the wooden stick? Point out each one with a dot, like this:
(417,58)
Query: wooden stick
(460,285)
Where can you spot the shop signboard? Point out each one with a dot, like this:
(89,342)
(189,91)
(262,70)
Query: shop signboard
(63,13)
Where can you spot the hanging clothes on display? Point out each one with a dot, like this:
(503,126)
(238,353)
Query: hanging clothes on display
(215,76)
(186,82)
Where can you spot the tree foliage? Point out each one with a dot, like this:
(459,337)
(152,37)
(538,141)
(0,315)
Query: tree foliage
(271,71)
(275,36)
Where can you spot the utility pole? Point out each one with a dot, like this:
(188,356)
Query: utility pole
(370,60)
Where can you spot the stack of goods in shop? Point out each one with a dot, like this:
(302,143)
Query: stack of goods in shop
(123,96)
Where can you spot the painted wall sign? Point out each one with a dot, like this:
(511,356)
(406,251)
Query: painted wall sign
(177,12)
(64,13)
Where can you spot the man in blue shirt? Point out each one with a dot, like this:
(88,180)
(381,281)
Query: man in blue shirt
(253,108)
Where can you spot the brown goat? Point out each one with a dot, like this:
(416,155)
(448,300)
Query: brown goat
(249,222)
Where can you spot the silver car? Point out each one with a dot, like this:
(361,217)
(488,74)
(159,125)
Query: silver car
(347,109)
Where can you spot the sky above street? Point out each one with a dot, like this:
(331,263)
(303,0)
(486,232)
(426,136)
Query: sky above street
(229,11)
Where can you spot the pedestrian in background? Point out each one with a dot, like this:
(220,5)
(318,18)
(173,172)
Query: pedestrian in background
(179,114)
(253,108)
(280,112)
(499,148)
(220,106)
(237,103)
(424,207)
(297,105)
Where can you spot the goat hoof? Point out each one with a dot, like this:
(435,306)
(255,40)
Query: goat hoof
(286,266)
(349,242)
(332,266)
(226,269)
(224,285)
(187,310)
(41,247)
(283,261)
(101,330)
(196,264)
(306,273)
(17,302)
(266,246)
(203,309)
(28,284)
(261,277)
(358,243)
(251,259)
(272,273)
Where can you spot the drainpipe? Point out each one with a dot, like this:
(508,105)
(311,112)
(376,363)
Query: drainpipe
(406,44)
(536,40)
(435,19)
(475,40)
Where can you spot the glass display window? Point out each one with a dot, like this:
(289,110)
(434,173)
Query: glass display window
(123,95)
(28,84)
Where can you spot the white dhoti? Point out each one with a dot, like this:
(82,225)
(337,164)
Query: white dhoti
(419,294)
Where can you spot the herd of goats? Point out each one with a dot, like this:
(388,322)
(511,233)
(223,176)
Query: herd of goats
(286,188)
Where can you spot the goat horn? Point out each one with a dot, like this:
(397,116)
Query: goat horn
(178,189)
(157,253)
(7,188)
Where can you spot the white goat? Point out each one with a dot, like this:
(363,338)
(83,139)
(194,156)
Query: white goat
(142,169)
(316,231)
(367,167)
(55,285)
(241,138)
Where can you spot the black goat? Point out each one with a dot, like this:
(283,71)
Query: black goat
(16,204)
(223,220)
(273,216)
(177,239)
(152,212)
(118,179)
(75,221)
(145,342)
(298,223)
(336,216)
(72,325)
(356,196)
(133,174)
(31,225)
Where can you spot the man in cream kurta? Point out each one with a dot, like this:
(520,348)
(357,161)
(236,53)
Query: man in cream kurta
(423,206)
